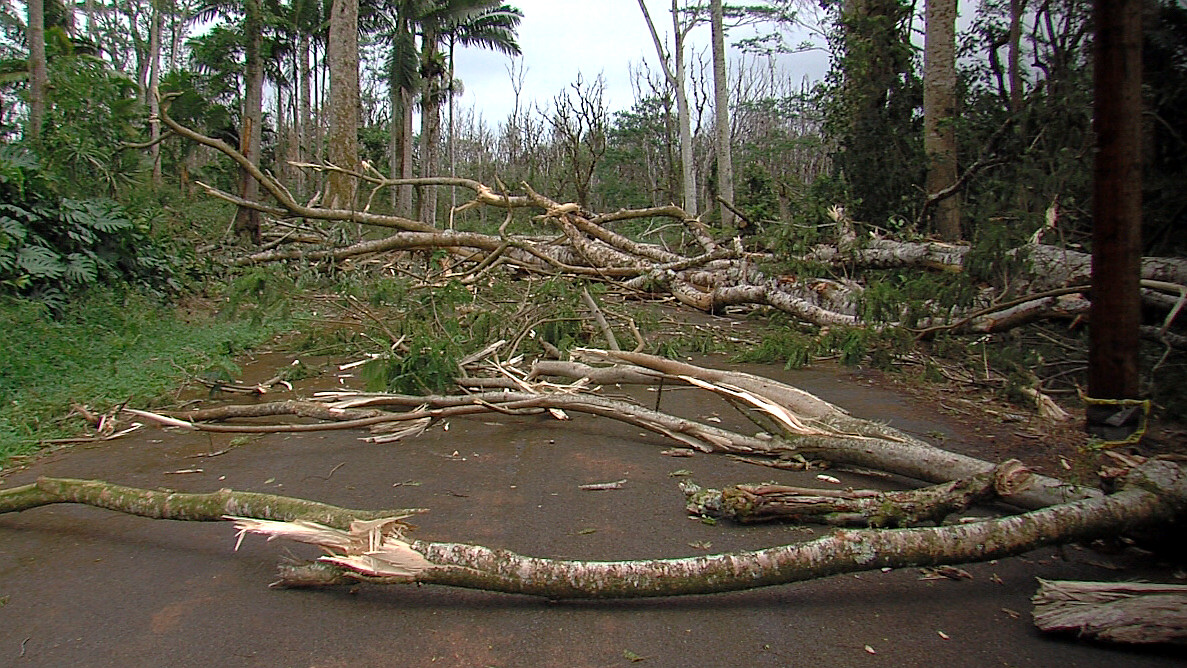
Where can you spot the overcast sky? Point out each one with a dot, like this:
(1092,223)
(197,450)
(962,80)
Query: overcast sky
(561,38)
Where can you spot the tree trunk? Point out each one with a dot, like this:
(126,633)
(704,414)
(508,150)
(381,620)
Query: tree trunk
(343,59)
(1014,54)
(674,73)
(304,120)
(939,113)
(379,553)
(430,125)
(38,76)
(452,134)
(1128,612)
(212,507)
(247,220)
(407,194)
(725,163)
(1117,211)
(154,77)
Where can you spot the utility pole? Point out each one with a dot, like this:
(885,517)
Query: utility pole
(1113,410)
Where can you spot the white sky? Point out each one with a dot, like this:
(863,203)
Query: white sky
(561,38)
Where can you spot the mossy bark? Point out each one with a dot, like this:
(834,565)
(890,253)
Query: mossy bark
(1155,493)
(765,502)
(210,507)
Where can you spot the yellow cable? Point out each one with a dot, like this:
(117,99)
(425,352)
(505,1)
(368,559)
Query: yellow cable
(1137,434)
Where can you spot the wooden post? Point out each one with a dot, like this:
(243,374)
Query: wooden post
(1117,215)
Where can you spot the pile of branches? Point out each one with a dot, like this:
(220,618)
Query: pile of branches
(713,276)
(796,428)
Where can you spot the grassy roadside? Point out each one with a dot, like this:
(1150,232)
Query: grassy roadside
(108,347)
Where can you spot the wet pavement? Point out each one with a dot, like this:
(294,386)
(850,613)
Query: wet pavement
(81,586)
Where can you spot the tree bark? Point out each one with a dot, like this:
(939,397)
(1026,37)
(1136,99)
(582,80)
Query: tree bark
(247,220)
(939,113)
(38,76)
(343,59)
(1126,612)
(725,161)
(1154,493)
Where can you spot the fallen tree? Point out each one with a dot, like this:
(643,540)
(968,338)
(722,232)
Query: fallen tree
(794,423)
(372,546)
(376,552)
(716,276)
(211,507)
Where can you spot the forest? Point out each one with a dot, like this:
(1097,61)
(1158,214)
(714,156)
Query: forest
(184,182)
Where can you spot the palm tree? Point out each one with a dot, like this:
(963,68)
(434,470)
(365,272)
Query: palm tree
(492,29)
(403,74)
(427,72)
(247,221)
(482,23)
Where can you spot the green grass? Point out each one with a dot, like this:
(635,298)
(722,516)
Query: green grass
(106,348)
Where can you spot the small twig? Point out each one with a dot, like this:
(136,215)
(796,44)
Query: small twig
(327,476)
(599,486)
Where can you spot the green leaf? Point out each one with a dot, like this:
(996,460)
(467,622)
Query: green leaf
(81,268)
(40,262)
(12,231)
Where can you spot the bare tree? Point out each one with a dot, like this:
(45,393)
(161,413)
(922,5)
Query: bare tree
(674,72)
(579,123)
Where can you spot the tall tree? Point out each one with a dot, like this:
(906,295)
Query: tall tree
(939,114)
(38,77)
(485,23)
(247,221)
(491,28)
(674,73)
(725,161)
(154,78)
(342,56)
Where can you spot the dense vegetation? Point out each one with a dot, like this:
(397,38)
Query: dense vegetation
(101,232)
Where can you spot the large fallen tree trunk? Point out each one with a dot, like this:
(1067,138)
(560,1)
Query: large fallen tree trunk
(1154,493)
